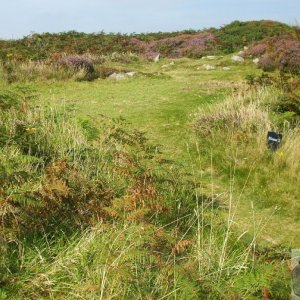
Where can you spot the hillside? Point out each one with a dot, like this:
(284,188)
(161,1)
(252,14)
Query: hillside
(125,178)
(228,38)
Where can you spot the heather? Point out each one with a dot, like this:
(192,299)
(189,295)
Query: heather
(288,55)
(196,45)
(281,52)
(267,63)
(229,38)
(257,50)
(77,62)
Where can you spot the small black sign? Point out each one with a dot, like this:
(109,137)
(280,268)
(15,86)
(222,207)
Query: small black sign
(274,140)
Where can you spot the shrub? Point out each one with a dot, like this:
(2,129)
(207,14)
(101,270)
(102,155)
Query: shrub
(16,97)
(289,102)
(263,80)
(8,100)
(126,58)
(289,57)
(238,34)
(257,50)
(279,52)
(267,63)
(288,83)
(191,45)
(228,39)
(77,62)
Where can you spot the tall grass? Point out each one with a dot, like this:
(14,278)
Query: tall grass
(76,68)
(235,132)
(144,228)
(32,71)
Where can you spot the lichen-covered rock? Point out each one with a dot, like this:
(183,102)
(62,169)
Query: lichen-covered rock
(237,58)
(117,76)
(157,58)
(208,67)
(130,74)
(256,60)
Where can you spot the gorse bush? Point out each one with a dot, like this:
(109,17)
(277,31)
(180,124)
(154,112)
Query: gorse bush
(8,100)
(287,110)
(260,81)
(237,34)
(16,97)
(283,82)
(289,102)
(43,46)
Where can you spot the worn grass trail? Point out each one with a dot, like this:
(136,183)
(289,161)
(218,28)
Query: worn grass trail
(159,102)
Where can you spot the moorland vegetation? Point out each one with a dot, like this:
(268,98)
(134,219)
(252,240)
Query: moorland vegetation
(157,184)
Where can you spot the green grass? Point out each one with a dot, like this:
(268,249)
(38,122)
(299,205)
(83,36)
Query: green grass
(162,101)
(234,196)
(159,103)
(164,107)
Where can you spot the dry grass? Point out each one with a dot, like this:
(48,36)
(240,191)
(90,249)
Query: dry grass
(41,70)
(288,156)
(245,111)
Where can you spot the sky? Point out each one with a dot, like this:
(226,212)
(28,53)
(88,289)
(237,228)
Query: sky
(23,17)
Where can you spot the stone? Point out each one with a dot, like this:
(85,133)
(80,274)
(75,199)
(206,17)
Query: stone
(256,60)
(237,58)
(208,67)
(117,76)
(210,57)
(130,74)
(157,58)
